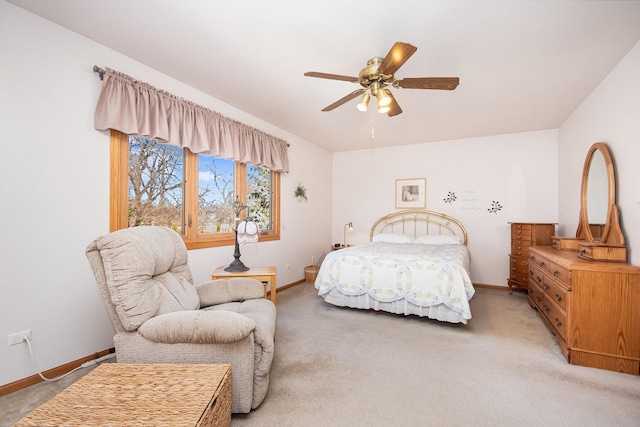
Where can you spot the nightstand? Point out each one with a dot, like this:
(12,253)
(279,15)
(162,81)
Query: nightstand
(267,275)
(335,248)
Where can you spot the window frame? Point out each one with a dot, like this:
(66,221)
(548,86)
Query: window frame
(119,191)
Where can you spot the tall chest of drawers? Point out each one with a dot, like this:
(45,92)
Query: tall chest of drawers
(592,308)
(523,236)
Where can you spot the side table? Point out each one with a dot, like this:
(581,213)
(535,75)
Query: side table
(267,275)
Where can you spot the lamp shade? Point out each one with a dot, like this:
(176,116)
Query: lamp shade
(247,232)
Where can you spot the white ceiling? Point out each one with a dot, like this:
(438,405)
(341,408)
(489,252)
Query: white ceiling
(523,65)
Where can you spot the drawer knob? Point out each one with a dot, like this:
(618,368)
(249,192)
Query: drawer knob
(556,273)
(538,279)
(582,252)
(558,298)
(546,309)
(558,322)
(546,287)
(542,264)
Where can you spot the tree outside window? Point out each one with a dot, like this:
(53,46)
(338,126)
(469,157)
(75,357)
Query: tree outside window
(192,194)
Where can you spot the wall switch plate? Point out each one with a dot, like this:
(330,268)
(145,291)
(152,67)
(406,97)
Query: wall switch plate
(287,267)
(18,337)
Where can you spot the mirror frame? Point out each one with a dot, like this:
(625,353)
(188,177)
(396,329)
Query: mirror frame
(612,233)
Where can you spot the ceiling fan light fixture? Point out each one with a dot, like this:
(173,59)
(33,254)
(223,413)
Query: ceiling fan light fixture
(383,98)
(383,109)
(364,102)
(379,74)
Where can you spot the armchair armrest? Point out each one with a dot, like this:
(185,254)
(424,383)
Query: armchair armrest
(197,327)
(221,291)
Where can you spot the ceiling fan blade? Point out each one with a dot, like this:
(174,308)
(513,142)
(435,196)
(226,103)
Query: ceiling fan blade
(443,83)
(331,76)
(394,107)
(396,57)
(344,99)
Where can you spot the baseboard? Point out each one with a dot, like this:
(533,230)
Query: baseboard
(498,287)
(51,373)
(282,288)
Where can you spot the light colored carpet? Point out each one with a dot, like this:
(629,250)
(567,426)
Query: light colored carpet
(343,367)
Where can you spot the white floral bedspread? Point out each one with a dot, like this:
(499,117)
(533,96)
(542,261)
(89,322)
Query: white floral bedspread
(425,275)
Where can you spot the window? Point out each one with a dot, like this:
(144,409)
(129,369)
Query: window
(153,183)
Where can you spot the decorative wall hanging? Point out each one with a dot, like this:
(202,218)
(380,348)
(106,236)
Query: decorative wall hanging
(411,193)
(451,197)
(300,193)
(495,207)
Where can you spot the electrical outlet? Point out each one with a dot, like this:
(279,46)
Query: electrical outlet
(18,337)
(287,267)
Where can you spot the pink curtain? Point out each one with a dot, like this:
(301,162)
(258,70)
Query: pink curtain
(137,108)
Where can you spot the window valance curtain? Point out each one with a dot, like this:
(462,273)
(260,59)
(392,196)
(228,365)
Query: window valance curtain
(137,108)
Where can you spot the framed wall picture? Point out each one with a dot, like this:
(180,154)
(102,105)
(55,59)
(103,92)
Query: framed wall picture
(411,193)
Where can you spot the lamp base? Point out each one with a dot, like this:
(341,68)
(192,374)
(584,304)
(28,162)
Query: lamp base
(236,266)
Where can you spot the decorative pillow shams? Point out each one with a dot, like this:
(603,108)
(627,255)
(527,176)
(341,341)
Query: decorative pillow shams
(392,238)
(438,239)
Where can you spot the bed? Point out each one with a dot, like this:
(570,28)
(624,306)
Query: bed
(416,263)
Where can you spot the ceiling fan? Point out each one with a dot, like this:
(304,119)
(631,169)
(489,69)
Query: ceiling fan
(378,74)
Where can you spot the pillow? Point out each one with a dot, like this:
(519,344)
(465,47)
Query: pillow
(392,238)
(438,239)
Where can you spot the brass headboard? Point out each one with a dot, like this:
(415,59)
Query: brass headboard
(419,222)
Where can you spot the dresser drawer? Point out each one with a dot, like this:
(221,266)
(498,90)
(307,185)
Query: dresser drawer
(520,276)
(555,291)
(536,295)
(555,315)
(554,270)
(536,275)
(519,228)
(519,262)
(520,247)
(520,235)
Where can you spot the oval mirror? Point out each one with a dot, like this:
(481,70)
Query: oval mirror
(597,196)
(598,211)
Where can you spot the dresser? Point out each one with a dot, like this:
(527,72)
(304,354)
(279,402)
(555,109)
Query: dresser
(592,307)
(524,235)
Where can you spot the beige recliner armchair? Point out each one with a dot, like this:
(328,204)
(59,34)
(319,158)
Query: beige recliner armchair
(161,317)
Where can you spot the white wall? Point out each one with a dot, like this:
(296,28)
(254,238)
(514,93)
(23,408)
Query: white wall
(55,192)
(517,170)
(611,114)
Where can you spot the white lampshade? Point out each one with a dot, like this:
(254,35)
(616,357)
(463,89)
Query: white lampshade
(248,232)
